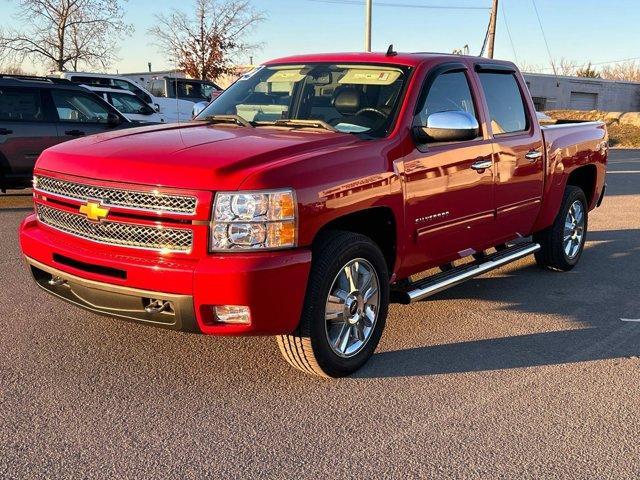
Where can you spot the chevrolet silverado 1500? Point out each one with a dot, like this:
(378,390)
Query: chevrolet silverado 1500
(309,195)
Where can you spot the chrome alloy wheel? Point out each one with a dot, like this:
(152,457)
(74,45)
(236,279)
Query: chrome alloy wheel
(352,308)
(574,229)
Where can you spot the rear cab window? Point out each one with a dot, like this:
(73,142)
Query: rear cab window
(506,106)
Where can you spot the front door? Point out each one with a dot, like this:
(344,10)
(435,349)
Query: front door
(449,201)
(25,131)
(79,114)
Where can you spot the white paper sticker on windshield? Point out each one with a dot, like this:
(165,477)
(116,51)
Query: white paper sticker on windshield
(370,77)
(290,76)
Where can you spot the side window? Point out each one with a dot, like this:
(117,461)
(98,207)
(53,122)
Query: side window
(132,88)
(73,106)
(449,92)
(506,107)
(157,88)
(20,105)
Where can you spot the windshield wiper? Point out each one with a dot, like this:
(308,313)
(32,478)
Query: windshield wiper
(234,119)
(297,123)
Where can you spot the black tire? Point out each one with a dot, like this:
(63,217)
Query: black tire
(308,348)
(552,255)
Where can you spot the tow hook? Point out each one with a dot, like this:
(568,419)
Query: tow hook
(158,306)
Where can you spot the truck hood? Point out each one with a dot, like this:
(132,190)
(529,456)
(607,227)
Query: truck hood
(193,156)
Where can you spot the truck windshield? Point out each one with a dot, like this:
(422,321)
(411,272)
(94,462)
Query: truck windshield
(357,98)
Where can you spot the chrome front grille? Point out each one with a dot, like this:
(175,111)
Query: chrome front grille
(114,197)
(164,239)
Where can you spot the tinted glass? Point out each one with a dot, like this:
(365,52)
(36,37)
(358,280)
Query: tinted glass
(358,98)
(129,104)
(190,90)
(132,88)
(504,100)
(157,88)
(76,107)
(449,92)
(102,82)
(17,104)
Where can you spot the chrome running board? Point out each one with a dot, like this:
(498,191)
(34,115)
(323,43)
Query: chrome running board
(437,283)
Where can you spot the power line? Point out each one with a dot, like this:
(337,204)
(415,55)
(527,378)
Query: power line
(544,37)
(506,24)
(400,5)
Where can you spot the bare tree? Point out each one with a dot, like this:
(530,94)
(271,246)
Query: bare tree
(558,67)
(587,71)
(206,41)
(12,70)
(628,71)
(63,33)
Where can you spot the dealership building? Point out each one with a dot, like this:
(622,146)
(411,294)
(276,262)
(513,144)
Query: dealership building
(551,92)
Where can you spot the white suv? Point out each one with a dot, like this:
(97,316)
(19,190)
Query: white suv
(128,104)
(173,109)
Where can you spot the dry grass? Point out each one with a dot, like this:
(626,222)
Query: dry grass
(621,136)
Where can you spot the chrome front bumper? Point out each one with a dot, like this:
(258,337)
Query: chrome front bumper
(117,301)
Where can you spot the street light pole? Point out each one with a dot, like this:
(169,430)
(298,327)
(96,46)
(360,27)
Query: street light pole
(367,25)
(491,40)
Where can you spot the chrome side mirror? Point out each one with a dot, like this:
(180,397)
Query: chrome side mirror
(198,108)
(451,126)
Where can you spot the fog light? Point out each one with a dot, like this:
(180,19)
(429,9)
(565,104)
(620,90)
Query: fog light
(232,314)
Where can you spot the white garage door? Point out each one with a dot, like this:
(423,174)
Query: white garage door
(583,101)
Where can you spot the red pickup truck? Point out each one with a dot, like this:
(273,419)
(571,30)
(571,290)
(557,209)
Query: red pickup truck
(309,195)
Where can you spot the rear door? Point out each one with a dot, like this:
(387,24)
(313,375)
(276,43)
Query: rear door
(79,113)
(518,151)
(25,131)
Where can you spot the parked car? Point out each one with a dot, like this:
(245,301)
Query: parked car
(315,191)
(36,113)
(164,102)
(129,104)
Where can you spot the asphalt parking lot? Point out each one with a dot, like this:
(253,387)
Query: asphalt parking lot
(518,374)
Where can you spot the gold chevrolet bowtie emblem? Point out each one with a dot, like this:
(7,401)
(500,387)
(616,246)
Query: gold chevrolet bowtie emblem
(94,211)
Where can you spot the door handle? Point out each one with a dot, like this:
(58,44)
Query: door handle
(4,131)
(481,165)
(74,133)
(533,155)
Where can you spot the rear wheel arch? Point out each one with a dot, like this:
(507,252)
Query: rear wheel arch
(585,178)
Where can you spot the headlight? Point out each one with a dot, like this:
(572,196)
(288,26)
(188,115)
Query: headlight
(253,220)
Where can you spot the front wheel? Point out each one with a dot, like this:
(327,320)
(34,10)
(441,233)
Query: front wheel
(562,243)
(345,307)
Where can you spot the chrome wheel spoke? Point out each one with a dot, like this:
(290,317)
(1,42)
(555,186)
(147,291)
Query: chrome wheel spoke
(345,335)
(369,316)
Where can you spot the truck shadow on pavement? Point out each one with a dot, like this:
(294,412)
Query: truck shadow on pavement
(600,291)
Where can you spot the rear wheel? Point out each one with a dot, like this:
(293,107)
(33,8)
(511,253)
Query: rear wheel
(563,242)
(345,307)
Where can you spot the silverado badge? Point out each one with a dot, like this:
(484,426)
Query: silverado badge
(94,211)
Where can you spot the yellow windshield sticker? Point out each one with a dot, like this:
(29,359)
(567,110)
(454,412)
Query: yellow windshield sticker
(357,76)
(290,76)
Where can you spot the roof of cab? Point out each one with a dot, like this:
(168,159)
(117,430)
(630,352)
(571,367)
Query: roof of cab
(405,59)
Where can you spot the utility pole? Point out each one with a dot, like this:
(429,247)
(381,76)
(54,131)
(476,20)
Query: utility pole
(491,38)
(367,25)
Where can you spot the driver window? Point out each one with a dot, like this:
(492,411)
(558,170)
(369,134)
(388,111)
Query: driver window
(449,92)
(73,106)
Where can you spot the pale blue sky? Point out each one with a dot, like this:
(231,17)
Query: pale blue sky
(580,30)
